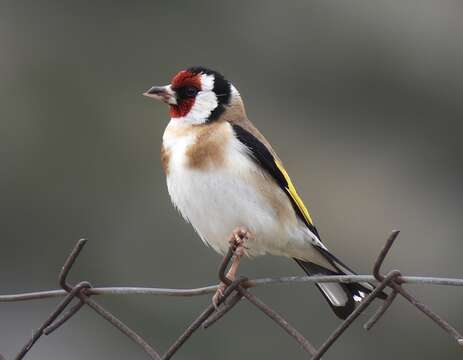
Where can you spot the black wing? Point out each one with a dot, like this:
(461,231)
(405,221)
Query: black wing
(275,169)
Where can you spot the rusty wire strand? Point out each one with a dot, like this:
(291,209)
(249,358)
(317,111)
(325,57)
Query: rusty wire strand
(350,319)
(428,312)
(392,279)
(40,331)
(78,291)
(57,324)
(221,311)
(395,285)
(381,311)
(280,320)
(196,324)
(100,310)
(234,292)
(267,310)
(231,286)
(205,290)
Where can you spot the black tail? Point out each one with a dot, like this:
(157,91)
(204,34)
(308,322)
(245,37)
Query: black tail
(341,297)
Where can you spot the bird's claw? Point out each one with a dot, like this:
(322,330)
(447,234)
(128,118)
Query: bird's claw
(238,239)
(219,295)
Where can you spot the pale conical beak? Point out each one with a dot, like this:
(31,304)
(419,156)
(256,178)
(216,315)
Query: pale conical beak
(162,93)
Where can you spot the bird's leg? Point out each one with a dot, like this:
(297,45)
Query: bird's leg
(237,239)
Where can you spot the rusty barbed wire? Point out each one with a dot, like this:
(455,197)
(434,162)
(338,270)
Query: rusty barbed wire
(235,292)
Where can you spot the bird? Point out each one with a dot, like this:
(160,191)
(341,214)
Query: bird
(225,178)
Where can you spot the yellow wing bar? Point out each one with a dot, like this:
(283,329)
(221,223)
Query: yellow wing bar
(293,193)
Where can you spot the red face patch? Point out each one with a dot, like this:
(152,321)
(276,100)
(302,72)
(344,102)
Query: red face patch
(186,78)
(182,79)
(182,108)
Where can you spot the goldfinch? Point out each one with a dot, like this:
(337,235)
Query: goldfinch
(224,177)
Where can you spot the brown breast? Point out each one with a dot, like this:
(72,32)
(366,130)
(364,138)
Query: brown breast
(209,149)
(165,158)
(206,150)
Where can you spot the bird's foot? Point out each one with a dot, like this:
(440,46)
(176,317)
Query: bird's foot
(219,294)
(238,240)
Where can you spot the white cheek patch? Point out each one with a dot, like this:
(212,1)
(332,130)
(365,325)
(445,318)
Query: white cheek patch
(234,91)
(207,82)
(205,102)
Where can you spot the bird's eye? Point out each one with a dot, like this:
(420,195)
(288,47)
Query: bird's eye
(191,91)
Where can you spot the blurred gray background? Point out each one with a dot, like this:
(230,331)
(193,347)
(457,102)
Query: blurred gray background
(362,99)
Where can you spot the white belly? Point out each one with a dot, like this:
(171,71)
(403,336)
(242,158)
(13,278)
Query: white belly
(216,202)
(219,199)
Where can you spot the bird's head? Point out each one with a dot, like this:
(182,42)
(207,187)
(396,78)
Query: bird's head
(196,95)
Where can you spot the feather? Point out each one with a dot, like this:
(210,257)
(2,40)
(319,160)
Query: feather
(264,157)
(339,296)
